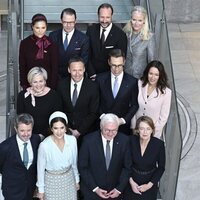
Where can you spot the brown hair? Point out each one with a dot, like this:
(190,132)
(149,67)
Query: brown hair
(146,120)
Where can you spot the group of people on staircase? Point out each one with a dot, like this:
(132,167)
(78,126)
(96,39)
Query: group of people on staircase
(94,104)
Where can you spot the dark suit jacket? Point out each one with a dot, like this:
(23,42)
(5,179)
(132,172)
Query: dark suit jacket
(18,182)
(92,165)
(84,114)
(125,104)
(78,46)
(98,57)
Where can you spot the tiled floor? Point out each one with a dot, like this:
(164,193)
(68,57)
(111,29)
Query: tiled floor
(185,50)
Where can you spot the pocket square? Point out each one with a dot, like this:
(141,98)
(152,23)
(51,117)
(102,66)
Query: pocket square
(109,47)
(77,48)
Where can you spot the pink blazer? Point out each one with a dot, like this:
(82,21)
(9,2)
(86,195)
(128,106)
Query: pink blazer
(156,106)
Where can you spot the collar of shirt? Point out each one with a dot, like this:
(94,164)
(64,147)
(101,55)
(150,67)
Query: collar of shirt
(79,84)
(120,77)
(107,30)
(70,34)
(104,141)
(21,149)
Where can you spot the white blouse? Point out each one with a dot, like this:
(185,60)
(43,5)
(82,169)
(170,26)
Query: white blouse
(51,158)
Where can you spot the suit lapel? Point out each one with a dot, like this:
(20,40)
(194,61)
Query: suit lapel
(15,146)
(108,87)
(115,152)
(100,149)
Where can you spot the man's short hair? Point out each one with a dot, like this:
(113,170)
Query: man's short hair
(68,11)
(109,118)
(116,53)
(76,59)
(23,118)
(105,5)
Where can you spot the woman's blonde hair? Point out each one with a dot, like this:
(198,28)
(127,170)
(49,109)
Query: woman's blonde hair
(145,32)
(36,71)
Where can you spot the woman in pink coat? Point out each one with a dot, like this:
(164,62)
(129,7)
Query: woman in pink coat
(154,96)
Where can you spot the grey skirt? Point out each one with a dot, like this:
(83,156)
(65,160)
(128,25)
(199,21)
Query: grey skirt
(60,185)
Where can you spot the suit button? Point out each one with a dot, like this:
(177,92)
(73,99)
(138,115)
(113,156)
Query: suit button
(145,102)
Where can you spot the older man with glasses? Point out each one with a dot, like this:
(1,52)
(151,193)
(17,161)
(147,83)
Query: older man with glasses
(118,91)
(104,161)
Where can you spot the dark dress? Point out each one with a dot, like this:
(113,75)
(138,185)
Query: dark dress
(148,167)
(44,107)
(27,60)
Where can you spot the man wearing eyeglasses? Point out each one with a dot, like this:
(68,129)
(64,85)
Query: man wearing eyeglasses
(118,91)
(104,161)
(70,41)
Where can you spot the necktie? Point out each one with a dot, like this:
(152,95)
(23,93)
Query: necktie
(25,155)
(115,87)
(65,44)
(75,95)
(102,39)
(107,154)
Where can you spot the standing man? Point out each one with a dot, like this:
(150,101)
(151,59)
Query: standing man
(18,157)
(104,161)
(118,91)
(103,37)
(70,41)
(80,97)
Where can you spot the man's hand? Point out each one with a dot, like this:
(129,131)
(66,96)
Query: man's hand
(75,133)
(102,193)
(114,193)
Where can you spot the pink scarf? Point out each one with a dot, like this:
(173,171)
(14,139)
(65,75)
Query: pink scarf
(33,94)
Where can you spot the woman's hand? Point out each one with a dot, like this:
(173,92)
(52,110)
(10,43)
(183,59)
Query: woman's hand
(134,186)
(77,186)
(40,196)
(145,187)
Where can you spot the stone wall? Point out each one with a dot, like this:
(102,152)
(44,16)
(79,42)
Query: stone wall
(183,11)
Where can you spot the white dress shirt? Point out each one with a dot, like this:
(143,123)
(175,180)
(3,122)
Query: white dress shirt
(78,88)
(29,149)
(69,36)
(104,141)
(107,31)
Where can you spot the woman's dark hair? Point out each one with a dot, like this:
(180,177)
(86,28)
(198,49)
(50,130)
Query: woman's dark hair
(146,120)
(38,17)
(162,81)
(58,119)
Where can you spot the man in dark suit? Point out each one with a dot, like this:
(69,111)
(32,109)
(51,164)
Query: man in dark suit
(80,97)
(118,91)
(103,37)
(104,161)
(18,157)
(70,41)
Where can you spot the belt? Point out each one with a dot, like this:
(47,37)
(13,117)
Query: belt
(143,172)
(59,172)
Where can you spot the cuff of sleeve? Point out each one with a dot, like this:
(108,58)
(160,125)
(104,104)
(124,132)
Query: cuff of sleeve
(118,191)
(94,190)
(101,116)
(124,122)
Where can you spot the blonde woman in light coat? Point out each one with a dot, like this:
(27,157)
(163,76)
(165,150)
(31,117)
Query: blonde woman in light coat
(141,47)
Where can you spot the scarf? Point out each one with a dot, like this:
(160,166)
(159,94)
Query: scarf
(30,91)
(42,43)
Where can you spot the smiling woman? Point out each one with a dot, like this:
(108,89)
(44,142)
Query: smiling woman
(57,162)
(154,96)
(38,100)
(38,50)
